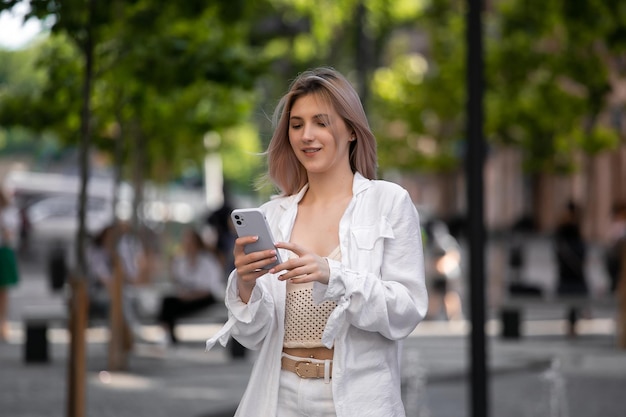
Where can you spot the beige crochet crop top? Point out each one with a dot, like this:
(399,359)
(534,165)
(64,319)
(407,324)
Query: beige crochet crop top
(304,320)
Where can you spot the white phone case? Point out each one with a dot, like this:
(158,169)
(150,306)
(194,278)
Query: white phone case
(252,222)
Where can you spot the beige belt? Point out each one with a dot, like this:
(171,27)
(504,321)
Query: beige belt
(304,368)
(316,352)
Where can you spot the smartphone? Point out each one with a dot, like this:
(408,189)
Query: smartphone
(252,222)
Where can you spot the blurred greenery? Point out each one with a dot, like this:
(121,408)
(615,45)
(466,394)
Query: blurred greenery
(167,74)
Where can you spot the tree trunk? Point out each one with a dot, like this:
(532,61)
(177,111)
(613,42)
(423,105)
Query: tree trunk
(119,337)
(78,308)
(138,157)
(76,373)
(621,302)
(597,208)
(543,202)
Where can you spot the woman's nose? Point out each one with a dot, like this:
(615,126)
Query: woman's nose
(307,133)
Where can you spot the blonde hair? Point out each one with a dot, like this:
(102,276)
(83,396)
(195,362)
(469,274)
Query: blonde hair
(284,169)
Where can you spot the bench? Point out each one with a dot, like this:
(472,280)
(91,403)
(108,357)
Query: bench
(214,314)
(217,313)
(37,320)
(512,308)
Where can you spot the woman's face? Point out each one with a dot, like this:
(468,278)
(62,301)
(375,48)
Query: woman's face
(318,136)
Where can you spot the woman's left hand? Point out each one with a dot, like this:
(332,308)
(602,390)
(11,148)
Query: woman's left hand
(307,267)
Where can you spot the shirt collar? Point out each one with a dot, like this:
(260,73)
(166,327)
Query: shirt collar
(290,203)
(359,184)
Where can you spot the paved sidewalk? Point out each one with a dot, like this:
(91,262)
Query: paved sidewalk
(536,376)
(545,374)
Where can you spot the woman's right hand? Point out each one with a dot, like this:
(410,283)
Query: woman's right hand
(249,266)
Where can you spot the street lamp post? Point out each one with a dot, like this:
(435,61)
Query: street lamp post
(475,222)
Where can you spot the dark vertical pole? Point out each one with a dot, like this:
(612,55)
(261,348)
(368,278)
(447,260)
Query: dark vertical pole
(475,221)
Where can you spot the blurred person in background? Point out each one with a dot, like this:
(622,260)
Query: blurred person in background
(220,222)
(100,253)
(616,245)
(198,279)
(117,243)
(443,271)
(135,250)
(9,275)
(25,230)
(571,255)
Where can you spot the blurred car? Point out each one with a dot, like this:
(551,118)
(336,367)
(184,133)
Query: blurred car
(442,264)
(54,220)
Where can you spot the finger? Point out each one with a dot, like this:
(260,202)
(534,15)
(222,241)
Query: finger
(288,265)
(241,242)
(254,261)
(298,272)
(295,248)
(308,272)
(251,276)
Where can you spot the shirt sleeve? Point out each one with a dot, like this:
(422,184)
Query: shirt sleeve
(254,320)
(385,292)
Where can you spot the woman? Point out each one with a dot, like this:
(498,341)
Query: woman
(198,277)
(329,320)
(8,265)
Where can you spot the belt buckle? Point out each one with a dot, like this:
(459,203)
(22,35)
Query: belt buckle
(297,369)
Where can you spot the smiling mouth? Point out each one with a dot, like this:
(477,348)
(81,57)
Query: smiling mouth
(311,150)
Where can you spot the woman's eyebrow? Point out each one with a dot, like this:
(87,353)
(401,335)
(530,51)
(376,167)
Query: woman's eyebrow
(315,116)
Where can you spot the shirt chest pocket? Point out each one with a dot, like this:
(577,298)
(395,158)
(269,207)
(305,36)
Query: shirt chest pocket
(370,238)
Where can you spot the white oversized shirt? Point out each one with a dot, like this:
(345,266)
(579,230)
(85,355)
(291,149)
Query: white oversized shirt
(380,294)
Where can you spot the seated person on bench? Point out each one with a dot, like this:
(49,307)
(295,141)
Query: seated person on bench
(198,279)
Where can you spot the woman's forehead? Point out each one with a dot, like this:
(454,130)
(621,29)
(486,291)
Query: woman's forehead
(312,102)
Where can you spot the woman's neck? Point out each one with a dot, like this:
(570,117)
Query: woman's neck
(323,189)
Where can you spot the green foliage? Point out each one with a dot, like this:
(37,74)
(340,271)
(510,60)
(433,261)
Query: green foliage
(418,97)
(24,107)
(165,72)
(548,75)
(241,155)
(171,72)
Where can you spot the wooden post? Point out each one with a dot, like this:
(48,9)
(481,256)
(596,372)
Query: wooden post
(118,338)
(78,307)
(621,301)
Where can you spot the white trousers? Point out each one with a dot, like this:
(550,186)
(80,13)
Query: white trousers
(300,397)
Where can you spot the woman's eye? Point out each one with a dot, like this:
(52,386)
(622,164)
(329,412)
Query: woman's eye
(296,126)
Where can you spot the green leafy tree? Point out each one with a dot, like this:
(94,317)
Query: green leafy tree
(549,78)
(549,68)
(166,74)
(19,78)
(418,92)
